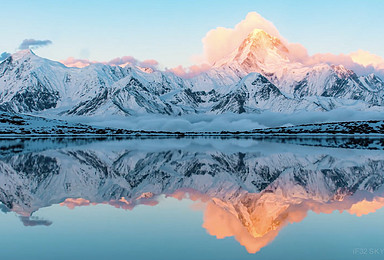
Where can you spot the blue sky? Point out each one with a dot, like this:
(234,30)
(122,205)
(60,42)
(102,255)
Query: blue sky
(171,31)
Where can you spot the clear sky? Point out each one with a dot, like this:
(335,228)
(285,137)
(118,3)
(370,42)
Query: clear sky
(171,31)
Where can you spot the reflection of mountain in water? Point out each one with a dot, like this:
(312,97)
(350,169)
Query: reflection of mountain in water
(251,188)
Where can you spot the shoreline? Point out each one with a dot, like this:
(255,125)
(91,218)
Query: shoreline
(195,134)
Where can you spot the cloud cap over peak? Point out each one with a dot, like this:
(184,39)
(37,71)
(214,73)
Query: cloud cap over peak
(221,41)
(33,44)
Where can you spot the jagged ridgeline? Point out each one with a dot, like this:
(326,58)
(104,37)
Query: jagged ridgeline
(258,76)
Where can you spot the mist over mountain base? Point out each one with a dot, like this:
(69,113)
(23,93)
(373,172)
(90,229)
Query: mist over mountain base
(224,122)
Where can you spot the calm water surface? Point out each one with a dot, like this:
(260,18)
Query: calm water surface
(200,198)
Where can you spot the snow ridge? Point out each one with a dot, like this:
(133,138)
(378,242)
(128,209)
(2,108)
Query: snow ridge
(258,76)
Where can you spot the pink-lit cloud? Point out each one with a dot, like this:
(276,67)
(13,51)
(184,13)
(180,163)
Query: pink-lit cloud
(366,59)
(119,61)
(191,71)
(341,59)
(149,64)
(180,71)
(220,42)
(78,63)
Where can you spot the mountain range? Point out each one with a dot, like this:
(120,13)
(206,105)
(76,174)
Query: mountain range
(257,76)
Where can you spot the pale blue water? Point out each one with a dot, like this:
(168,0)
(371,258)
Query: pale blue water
(189,199)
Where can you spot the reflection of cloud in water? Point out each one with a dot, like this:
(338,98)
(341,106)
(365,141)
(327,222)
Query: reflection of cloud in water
(256,223)
(220,223)
(365,207)
(34,221)
(71,203)
(144,199)
(254,220)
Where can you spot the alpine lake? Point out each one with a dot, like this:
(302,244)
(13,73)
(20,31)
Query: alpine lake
(201,198)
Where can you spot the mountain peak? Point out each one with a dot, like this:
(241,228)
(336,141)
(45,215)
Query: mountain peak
(23,54)
(259,40)
(258,33)
(258,52)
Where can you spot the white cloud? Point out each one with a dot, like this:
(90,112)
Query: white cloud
(225,122)
(221,41)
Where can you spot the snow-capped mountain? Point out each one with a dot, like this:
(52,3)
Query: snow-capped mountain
(258,76)
(267,55)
